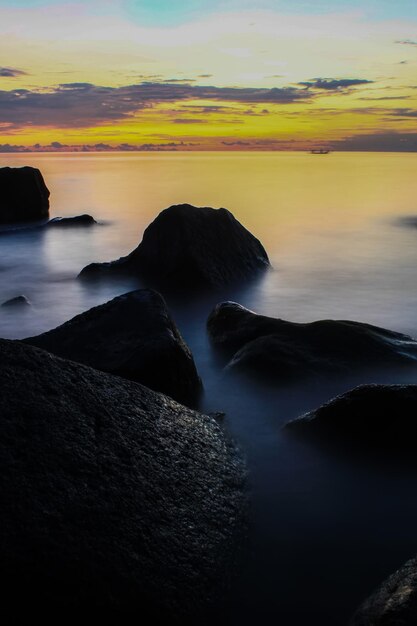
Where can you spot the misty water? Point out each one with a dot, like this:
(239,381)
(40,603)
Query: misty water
(326,529)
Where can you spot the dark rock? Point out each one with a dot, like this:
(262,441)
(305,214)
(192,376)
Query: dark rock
(407,220)
(18,301)
(279,350)
(24,197)
(77,220)
(383,417)
(116,501)
(132,336)
(394,603)
(187,246)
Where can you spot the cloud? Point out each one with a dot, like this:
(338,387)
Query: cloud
(378,142)
(190,120)
(334,84)
(236,143)
(56,146)
(11,72)
(373,98)
(403,112)
(76,105)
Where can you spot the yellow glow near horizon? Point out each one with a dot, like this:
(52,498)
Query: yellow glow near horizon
(263,50)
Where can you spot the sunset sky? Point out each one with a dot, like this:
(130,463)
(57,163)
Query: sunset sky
(218,74)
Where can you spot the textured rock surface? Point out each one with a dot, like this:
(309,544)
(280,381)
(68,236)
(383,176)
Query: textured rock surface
(132,336)
(383,417)
(279,350)
(187,246)
(394,603)
(116,501)
(24,197)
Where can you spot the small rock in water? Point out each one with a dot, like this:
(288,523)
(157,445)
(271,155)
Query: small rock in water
(24,197)
(18,301)
(77,220)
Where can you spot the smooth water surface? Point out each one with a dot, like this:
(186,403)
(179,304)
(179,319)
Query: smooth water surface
(326,529)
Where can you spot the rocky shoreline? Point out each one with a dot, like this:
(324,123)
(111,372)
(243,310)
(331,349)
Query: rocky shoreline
(120,498)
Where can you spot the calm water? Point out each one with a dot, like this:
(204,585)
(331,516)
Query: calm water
(326,529)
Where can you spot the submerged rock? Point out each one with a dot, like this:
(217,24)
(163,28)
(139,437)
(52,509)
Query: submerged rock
(187,246)
(77,220)
(24,197)
(18,301)
(117,502)
(394,603)
(382,417)
(132,336)
(282,350)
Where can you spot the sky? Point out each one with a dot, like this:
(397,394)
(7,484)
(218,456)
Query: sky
(199,75)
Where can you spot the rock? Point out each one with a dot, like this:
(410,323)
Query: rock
(394,603)
(282,350)
(77,220)
(380,417)
(24,197)
(191,247)
(117,502)
(18,301)
(407,220)
(132,336)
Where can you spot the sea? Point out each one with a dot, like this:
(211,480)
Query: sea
(341,234)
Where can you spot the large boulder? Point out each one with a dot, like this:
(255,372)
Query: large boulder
(378,417)
(187,246)
(132,336)
(394,603)
(116,502)
(282,350)
(24,197)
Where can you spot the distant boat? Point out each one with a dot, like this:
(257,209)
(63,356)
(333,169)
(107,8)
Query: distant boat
(320,151)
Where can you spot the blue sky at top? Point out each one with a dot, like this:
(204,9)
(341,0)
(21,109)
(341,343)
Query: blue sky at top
(168,12)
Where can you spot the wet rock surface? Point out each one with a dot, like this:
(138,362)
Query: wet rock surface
(394,603)
(379,417)
(132,336)
(191,247)
(24,197)
(117,502)
(277,350)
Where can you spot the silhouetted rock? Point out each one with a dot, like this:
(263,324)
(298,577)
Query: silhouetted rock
(116,501)
(279,350)
(18,301)
(383,417)
(187,246)
(77,220)
(24,197)
(132,336)
(407,220)
(394,603)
